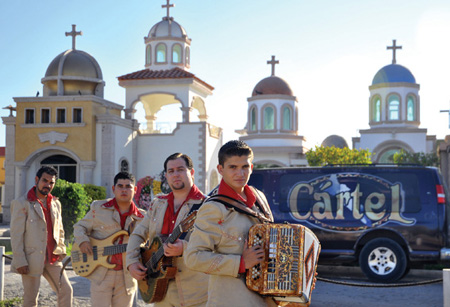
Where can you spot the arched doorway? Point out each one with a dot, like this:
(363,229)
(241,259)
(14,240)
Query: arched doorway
(66,166)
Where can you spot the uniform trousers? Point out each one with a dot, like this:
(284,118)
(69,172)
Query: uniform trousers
(61,286)
(172,298)
(111,291)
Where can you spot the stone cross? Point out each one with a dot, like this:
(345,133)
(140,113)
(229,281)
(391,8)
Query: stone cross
(168,6)
(74,34)
(11,109)
(273,63)
(394,47)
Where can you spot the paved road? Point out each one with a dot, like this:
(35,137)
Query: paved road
(325,294)
(328,294)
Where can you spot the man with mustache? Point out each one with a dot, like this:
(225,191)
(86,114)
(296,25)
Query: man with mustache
(37,240)
(189,288)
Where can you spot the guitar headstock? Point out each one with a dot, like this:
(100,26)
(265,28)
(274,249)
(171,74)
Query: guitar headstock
(188,222)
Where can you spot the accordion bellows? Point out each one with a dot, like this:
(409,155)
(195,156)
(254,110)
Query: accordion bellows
(289,266)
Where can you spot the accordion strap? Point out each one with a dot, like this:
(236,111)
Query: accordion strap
(239,206)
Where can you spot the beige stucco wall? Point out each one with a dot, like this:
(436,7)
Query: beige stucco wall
(81,137)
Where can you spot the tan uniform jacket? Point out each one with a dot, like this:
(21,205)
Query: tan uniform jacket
(29,234)
(99,223)
(215,248)
(192,286)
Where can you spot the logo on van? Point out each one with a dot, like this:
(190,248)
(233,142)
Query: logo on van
(348,202)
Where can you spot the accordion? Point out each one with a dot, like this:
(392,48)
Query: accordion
(290,261)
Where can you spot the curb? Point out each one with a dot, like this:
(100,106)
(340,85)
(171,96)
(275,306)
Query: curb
(356,271)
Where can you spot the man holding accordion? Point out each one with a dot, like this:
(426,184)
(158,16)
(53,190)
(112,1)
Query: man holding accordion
(218,244)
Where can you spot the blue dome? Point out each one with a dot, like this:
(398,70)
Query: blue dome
(393,73)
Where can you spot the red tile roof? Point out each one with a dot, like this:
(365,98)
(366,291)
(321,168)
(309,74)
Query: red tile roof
(174,73)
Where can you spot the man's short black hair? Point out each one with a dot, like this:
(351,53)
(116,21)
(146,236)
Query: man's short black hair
(178,155)
(48,170)
(234,148)
(124,175)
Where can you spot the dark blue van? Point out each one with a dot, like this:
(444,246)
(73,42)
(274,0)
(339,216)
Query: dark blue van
(384,217)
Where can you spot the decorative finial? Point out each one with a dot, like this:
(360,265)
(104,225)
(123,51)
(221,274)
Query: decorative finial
(273,63)
(11,109)
(394,47)
(74,34)
(168,6)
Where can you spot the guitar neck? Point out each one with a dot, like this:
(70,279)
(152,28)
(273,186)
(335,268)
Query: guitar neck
(174,235)
(160,252)
(114,249)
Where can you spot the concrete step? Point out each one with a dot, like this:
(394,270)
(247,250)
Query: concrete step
(5,230)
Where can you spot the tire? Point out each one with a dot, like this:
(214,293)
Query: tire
(383,260)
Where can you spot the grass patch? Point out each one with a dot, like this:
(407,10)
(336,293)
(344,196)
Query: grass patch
(17,301)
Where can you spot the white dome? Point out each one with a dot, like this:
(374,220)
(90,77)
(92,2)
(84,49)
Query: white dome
(167,27)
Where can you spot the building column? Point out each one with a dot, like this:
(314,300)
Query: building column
(87,169)
(21,179)
(150,123)
(8,188)
(444,152)
(107,164)
(186,114)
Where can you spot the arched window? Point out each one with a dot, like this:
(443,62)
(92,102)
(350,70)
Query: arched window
(394,107)
(66,166)
(124,166)
(161,52)
(287,119)
(188,56)
(176,53)
(388,155)
(253,119)
(410,109)
(148,55)
(376,116)
(269,118)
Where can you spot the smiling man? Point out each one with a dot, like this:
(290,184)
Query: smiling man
(37,240)
(111,287)
(166,211)
(218,243)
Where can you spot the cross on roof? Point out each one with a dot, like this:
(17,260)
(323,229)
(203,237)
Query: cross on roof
(11,109)
(273,63)
(74,34)
(394,47)
(168,6)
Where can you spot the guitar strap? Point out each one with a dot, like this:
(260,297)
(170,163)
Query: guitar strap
(194,207)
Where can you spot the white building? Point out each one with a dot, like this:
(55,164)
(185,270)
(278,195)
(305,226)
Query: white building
(394,115)
(272,124)
(73,128)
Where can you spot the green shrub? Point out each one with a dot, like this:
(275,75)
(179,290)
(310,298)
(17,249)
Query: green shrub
(420,158)
(321,156)
(75,203)
(17,301)
(94,192)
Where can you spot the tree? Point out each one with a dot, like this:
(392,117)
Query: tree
(74,204)
(332,155)
(420,158)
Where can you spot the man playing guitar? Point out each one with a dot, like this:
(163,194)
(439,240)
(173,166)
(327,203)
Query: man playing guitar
(111,287)
(189,288)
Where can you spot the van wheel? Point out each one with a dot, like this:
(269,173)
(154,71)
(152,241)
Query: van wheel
(383,260)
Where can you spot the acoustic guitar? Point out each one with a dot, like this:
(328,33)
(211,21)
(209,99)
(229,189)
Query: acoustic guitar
(84,264)
(160,269)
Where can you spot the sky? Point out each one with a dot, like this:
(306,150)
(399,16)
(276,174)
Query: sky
(329,52)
